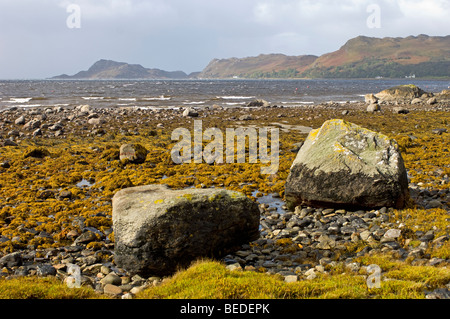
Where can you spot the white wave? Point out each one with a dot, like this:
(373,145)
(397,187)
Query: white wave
(232,97)
(232,103)
(20,100)
(92,97)
(127,99)
(193,103)
(161,98)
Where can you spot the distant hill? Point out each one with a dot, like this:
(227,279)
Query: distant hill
(107,69)
(422,56)
(361,57)
(264,65)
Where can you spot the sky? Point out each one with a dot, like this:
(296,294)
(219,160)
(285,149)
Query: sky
(44,38)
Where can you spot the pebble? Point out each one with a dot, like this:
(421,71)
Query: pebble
(112,279)
(112,290)
(291,278)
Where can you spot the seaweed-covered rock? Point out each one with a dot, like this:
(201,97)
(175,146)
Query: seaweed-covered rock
(344,165)
(37,152)
(133,153)
(158,230)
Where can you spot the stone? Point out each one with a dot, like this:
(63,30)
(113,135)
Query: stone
(291,278)
(400,110)
(326,242)
(37,132)
(45,270)
(134,153)
(245,117)
(64,194)
(342,165)
(353,266)
(20,120)
(32,124)
(11,260)
(158,230)
(258,103)
(370,99)
(48,193)
(310,274)
(416,101)
(9,142)
(439,131)
(373,108)
(365,235)
(15,133)
(391,234)
(428,236)
(440,293)
(86,237)
(96,121)
(189,112)
(400,93)
(112,279)
(432,101)
(234,267)
(113,290)
(56,127)
(85,109)
(434,203)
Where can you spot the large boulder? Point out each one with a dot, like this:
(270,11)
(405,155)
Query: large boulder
(158,230)
(344,165)
(404,93)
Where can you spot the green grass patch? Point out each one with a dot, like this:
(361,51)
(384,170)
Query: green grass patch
(211,280)
(43,288)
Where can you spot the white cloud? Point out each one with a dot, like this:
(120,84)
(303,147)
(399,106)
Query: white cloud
(420,9)
(186,34)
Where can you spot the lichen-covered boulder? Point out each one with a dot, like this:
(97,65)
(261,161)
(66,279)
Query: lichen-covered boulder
(158,230)
(344,165)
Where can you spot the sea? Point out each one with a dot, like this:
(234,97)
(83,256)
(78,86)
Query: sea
(151,94)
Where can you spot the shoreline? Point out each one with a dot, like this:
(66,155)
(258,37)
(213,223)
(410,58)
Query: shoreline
(56,209)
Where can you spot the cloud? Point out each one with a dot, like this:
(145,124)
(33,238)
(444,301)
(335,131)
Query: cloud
(186,34)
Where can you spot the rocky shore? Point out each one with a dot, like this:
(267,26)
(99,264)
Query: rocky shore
(53,216)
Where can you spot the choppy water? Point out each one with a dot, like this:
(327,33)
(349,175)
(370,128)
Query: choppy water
(196,93)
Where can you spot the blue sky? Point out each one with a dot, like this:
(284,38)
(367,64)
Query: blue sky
(36,40)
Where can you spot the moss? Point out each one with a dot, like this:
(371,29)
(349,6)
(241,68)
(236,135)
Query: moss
(210,280)
(43,288)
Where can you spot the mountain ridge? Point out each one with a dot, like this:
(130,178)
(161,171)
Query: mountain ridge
(108,69)
(360,57)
